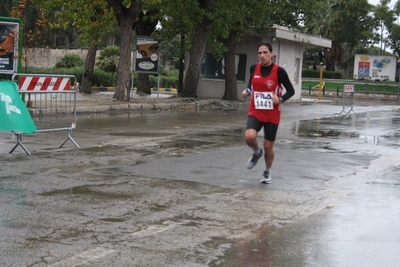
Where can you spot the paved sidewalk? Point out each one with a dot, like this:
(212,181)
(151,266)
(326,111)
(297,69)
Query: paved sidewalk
(103,102)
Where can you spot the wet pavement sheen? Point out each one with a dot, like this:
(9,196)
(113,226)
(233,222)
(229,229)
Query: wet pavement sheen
(170,188)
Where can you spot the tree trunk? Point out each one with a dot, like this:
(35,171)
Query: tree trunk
(145,25)
(124,66)
(125,18)
(330,65)
(181,73)
(181,67)
(196,57)
(87,77)
(350,62)
(144,83)
(334,54)
(230,69)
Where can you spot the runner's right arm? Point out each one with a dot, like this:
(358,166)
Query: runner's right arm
(247,92)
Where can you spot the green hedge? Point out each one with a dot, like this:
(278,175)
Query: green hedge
(325,74)
(100,77)
(165,82)
(370,87)
(106,79)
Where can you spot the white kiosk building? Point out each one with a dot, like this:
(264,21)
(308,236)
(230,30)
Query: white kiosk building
(288,49)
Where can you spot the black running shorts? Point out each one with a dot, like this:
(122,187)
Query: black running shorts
(270,129)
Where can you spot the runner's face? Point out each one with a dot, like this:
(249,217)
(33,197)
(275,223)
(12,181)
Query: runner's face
(264,56)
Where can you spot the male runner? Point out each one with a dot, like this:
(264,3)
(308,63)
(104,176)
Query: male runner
(265,89)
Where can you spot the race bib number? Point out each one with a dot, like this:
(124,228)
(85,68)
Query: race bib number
(263,100)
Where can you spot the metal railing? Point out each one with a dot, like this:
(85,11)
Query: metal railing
(51,102)
(348,98)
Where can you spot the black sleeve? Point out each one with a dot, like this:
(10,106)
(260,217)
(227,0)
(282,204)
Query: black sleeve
(252,68)
(285,81)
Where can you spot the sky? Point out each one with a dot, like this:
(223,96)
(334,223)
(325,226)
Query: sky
(376,2)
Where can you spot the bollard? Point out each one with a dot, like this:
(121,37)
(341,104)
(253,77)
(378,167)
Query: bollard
(323,90)
(309,89)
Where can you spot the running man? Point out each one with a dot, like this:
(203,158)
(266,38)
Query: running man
(265,87)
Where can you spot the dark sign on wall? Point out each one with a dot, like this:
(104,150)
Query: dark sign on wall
(147,55)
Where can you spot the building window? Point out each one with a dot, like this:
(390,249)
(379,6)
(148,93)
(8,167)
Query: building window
(213,69)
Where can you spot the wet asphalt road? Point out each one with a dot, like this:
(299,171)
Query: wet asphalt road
(170,188)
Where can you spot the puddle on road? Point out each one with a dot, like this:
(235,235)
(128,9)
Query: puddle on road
(140,134)
(253,251)
(372,127)
(380,127)
(185,144)
(111,220)
(206,140)
(88,191)
(377,128)
(107,149)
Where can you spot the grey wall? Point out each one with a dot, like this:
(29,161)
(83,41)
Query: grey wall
(47,58)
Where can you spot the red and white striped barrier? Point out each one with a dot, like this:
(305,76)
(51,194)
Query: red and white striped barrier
(51,101)
(33,83)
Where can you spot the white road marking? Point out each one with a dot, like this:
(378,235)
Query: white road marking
(152,230)
(156,229)
(83,257)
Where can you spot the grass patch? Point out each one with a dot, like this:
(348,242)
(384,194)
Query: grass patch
(359,87)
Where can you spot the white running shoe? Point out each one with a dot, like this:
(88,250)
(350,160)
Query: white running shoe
(267,179)
(253,160)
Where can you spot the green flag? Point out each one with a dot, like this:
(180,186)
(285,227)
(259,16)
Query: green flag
(14,116)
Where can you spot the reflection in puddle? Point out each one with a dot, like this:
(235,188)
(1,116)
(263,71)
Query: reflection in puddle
(90,193)
(254,251)
(139,134)
(371,128)
(185,144)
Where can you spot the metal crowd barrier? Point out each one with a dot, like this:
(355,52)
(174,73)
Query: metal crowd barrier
(348,98)
(51,102)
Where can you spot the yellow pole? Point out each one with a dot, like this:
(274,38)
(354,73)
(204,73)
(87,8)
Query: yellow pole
(320,80)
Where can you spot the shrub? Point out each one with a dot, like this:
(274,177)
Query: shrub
(69,61)
(108,59)
(103,78)
(326,74)
(77,71)
(165,81)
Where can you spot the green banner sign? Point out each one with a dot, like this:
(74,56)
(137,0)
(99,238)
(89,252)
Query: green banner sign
(14,116)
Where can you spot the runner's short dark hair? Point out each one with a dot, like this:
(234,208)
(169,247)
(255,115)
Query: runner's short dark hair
(265,44)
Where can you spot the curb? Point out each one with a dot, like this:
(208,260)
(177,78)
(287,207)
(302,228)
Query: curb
(111,89)
(102,89)
(184,104)
(357,95)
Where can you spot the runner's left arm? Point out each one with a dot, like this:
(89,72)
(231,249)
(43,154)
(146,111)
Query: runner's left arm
(285,81)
